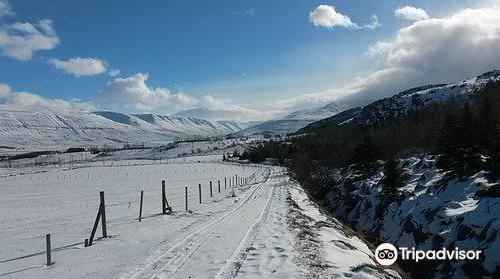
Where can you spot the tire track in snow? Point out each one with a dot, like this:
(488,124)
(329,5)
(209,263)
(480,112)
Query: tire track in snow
(230,270)
(175,257)
(271,254)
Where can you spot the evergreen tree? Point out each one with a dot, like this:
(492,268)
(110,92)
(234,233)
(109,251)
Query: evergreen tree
(468,156)
(447,143)
(493,162)
(457,146)
(486,126)
(392,181)
(366,151)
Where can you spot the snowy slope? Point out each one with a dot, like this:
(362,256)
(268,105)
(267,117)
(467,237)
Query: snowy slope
(433,212)
(28,129)
(296,120)
(401,103)
(190,125)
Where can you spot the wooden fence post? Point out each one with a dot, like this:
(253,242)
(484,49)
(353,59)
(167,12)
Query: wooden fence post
(186,191)
(49,250)
(211,195)
(199,191)
(218,184)
(103,217)
(163,204)
(100,214)
(140,206)
(225,182)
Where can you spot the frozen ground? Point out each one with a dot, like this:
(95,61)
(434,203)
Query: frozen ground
(259,232)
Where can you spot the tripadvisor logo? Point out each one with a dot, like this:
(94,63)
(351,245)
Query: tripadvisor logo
(387,254)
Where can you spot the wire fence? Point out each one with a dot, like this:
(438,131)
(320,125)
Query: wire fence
(199,194)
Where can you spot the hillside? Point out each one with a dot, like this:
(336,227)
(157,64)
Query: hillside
(24,130)
(431,212)
(399,104)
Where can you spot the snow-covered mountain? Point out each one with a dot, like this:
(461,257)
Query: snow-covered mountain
(29,129)
(401,103)
(296,120)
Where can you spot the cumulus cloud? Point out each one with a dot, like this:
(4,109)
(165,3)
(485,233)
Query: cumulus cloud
(22,40)
(30,100)
(439,49)
(327,16)
(80,66)
(411,13)
(133,93)
(436,50)
(5,8)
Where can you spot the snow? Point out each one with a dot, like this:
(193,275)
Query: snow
(65,202)
(342,251)
(434,212)
(296,120)
(34,129)
(247,234)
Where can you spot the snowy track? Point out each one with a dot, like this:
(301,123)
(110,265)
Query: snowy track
(209,246)
(268,229)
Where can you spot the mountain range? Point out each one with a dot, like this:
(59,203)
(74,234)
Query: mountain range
(30,129)
(24,129)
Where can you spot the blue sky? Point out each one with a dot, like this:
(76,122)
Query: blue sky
(237,53)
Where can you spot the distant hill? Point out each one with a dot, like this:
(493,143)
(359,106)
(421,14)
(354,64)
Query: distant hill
(29,129)
(296,120)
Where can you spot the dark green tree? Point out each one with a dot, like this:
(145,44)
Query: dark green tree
(366,151)
(447,143)
(486,126)
(393,180)
(468,156)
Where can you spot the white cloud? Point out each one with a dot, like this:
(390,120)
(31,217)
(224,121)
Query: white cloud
(133,93)
(411,13)
(80,66)
(327,16)
(30,100)
(5,8)
(437,50)
(22,40)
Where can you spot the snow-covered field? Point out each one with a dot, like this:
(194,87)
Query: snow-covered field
(263,230)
